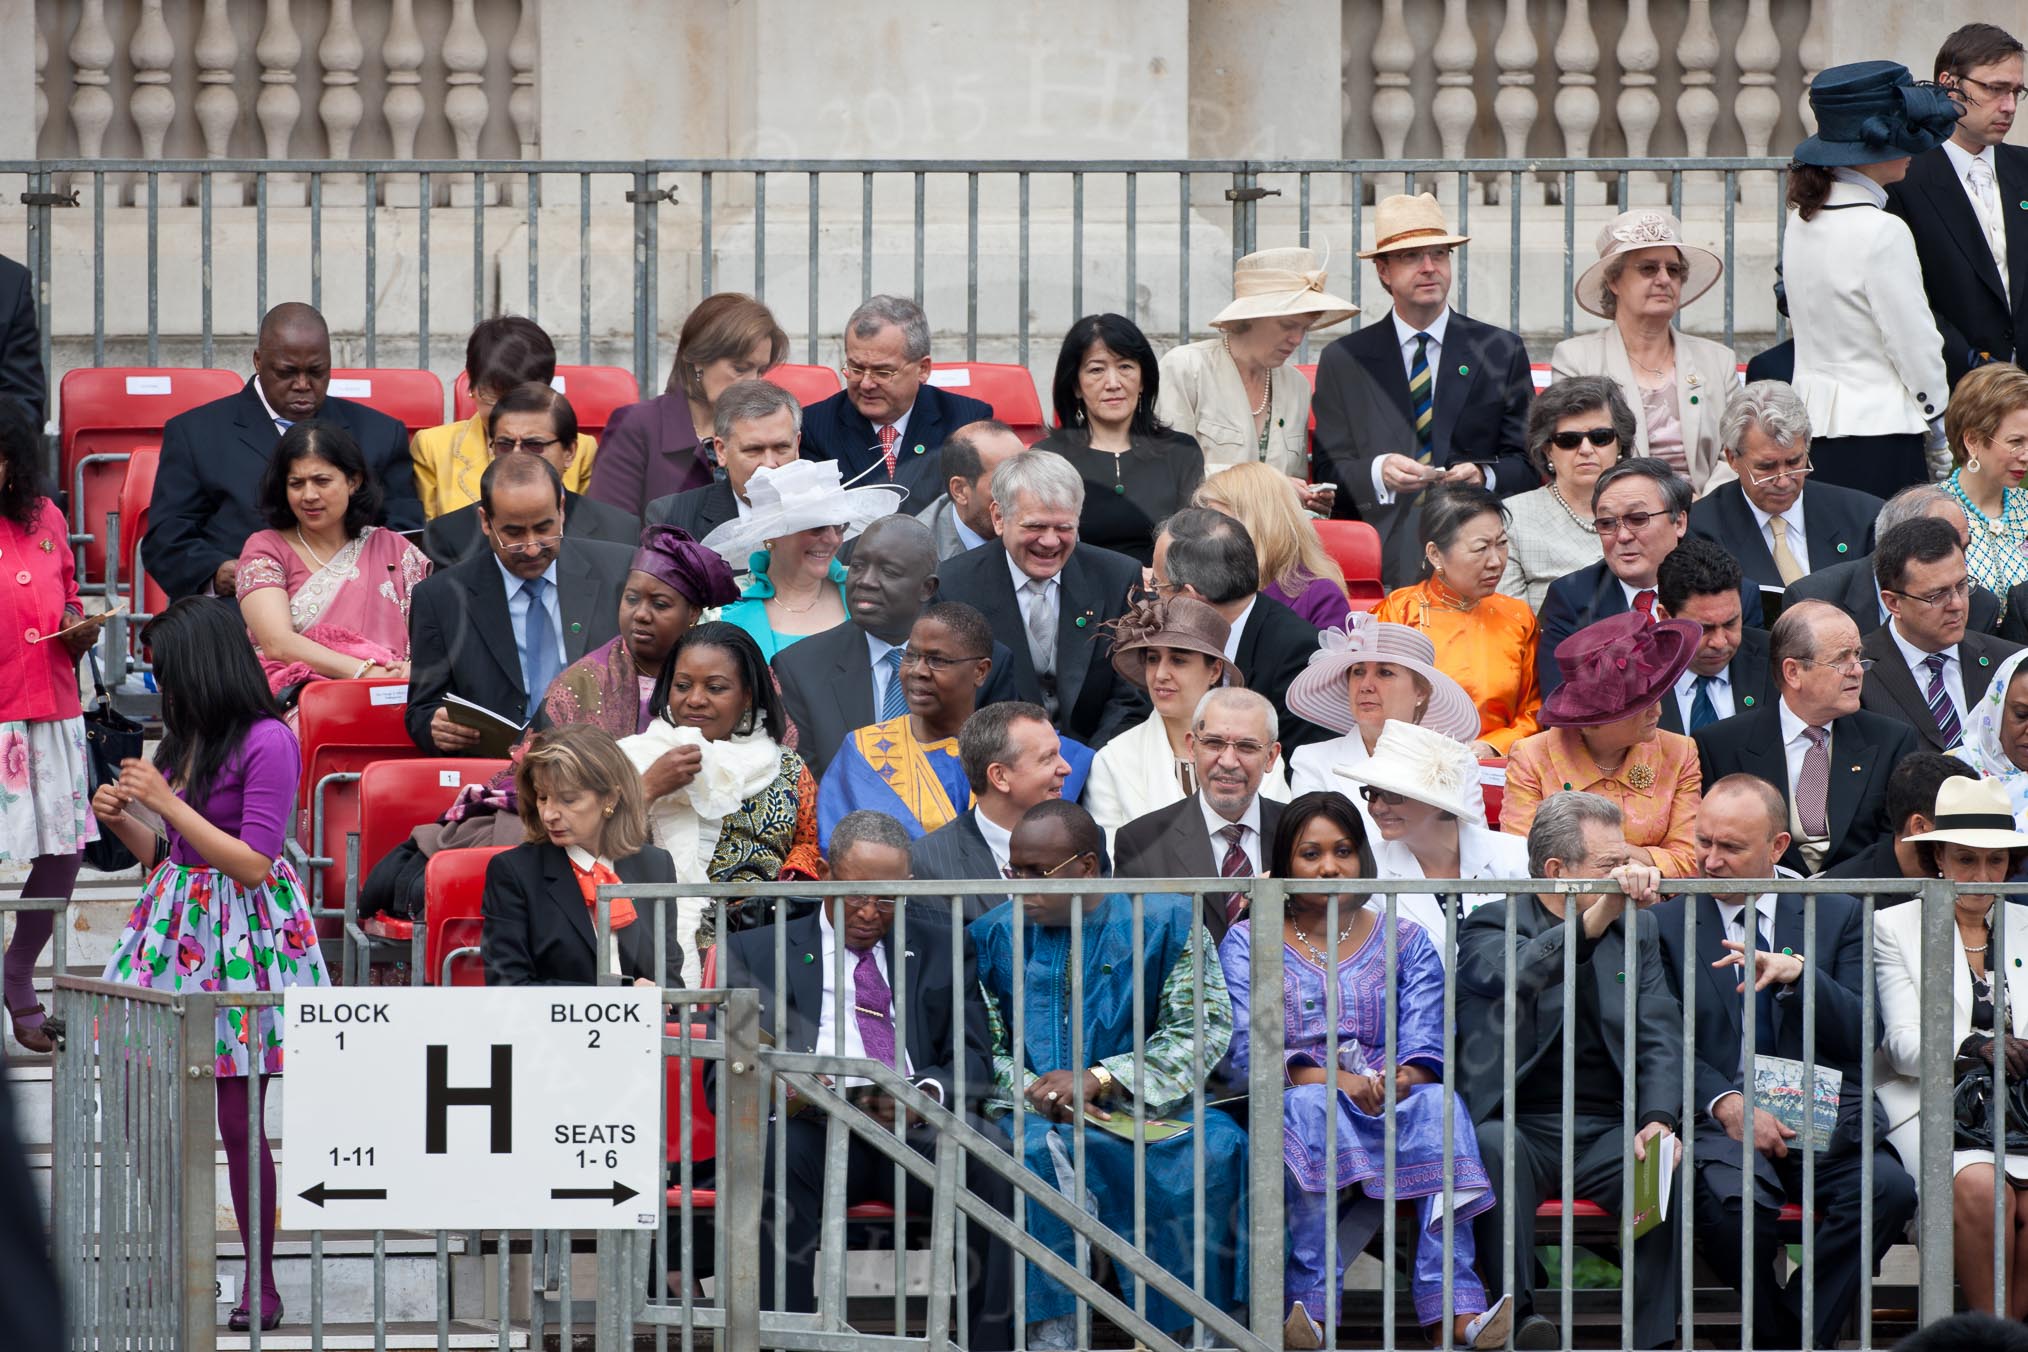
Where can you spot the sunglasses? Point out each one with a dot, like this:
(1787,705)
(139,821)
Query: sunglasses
(1373,795)
(1597,436)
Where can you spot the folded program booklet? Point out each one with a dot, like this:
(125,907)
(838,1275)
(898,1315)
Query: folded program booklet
(1778,1089)
(497,732)
(1653,1178)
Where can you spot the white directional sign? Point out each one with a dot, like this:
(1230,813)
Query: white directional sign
(495,1108)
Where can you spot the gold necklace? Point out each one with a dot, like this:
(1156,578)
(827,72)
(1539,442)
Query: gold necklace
(815,596)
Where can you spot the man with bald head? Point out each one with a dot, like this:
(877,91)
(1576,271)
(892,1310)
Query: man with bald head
(207,484)
(961,518)
(1828,758)
(850,676)
(1849,583)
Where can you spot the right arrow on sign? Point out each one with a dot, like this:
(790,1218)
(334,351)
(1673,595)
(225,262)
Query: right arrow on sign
(618,1193)
(321,1194)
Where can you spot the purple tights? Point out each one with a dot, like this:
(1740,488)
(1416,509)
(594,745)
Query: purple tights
(52,876)
(232,1105)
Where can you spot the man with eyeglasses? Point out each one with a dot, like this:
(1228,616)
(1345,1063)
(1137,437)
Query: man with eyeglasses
(1929,669)
(889,423)
(756,425)
(1777,521)
(1829,758)
(856,984)
(1223,829)
(1960,202)
(496,629)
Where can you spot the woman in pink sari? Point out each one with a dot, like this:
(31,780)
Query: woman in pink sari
(324,592)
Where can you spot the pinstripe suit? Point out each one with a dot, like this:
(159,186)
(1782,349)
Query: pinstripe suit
(956,851)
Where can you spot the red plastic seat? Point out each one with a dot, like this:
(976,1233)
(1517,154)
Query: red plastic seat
(1355,547)
(1551,1210)
(454,886)
(703,1122)
(415,399)
(342,730)
(1539,373)
(594,392)
(395,797)
(136,490)
(810,384)
(115,411)
(1008,388)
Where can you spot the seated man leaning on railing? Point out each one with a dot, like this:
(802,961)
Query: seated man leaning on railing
(1056,839)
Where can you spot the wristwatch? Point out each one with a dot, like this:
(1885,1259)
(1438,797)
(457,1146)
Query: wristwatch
(1106,1081)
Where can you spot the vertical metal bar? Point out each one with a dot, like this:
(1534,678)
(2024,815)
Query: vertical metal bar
(256,1205)
(534,244)
(1566,1177)
(1017,1052)
(372,296)
(1356,190)
(1808,1274)
(919,218)
(1182,259)
(866,234)
(2003,1028)
(1022,318)
(1569,249)
(1138,975)
(1080,1245)
(760,235)
(1303,238)
(99,268)
(317,241)
(1132,309)
(1868,1019)
(1464,260)
(584,271)
(1630,984)
(1265,1024)
(1202,953)
(504,1280)
(1076,246)
(707,260)
(154,269)
(424,193)
(317,1292)
(651,300)
(204,271)
(1514,181)
(1390,969)
(1509,937)
(1937,1053)
(1749,972)
(972,266)
(1781,332)
(260,246)
(478,247)
(379,1292)
(641,209)
(1448,1091)
(1731,216)
(443,1288)
(1686,1169)
(816,287)
(197,1240)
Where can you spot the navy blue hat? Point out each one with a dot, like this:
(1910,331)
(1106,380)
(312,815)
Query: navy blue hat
(1874,110)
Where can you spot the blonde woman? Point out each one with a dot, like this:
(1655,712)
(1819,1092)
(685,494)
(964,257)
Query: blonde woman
(1294,568)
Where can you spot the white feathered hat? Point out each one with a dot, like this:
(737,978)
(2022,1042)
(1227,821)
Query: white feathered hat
(1425,765)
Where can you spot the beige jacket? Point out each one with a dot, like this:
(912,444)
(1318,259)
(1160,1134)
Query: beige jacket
(1203,397)
(1706,375)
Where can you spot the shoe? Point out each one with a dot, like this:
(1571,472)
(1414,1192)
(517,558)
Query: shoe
(241,1319)
(1490,1328)
(1536,1332)
(40,1039)
(1301,1330)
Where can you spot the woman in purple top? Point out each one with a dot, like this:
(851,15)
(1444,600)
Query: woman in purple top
(1294,568)
(221,909)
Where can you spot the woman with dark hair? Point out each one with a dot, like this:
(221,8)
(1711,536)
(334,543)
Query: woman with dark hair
(222,910)
(658,447)
(727,801)
(1336,938)
(325,592)
(45,779)
(1136,469)
(1577,429)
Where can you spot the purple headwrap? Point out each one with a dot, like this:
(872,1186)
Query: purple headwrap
(669,555)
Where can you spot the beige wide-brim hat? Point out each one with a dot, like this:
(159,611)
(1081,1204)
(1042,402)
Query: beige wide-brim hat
(1275,283)
(1974,813)
(1181,622)
(1423,764)
(1405,222)
(1318,693)
(800,495)
(1647,228)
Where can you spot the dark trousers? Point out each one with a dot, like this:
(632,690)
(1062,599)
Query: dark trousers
(1840,1247)
(1882,465)
(988,1271)
(1597,1146)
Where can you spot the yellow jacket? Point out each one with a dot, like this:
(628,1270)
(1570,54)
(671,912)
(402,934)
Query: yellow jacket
(450,459)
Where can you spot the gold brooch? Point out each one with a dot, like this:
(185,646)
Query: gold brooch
(1641,777)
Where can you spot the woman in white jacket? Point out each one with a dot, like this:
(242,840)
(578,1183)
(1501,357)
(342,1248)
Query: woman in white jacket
(1869,359)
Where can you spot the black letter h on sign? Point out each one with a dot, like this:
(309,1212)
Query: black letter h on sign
(439,1098)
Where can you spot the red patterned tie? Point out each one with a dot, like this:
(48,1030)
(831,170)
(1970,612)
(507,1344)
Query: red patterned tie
(1234,865)
(1644,601)
(888,436)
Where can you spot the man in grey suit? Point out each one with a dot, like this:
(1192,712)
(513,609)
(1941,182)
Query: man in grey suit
(756,425)
(1223,829)
(961,518)
(1850,585)
(1012,760)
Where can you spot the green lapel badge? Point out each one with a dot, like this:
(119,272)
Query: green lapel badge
(1464,370)
(1985,661)
(1842,547)
(809,957)
(1749,701)
(576,628)
(1693,398)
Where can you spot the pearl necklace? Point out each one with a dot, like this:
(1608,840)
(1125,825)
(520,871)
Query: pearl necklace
(1267,381)
(1316,953)
(1570,511)
(322,562)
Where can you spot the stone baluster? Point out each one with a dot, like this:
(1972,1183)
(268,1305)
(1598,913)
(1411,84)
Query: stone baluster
(41,95)
(522,107)
(340,107)
(1639,107)
(217,53)
(153,103)
(1813,50)
(1393,104)
(1515,106)
(1576,105)
(1456,106)
(465,102)
(91,52)
(1757,106)
(402,53)
(1697,103)
(278,107)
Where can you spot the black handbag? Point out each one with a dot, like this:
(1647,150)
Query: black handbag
(1972,1103)
(110,737)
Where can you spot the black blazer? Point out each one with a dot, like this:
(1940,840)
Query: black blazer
(1591,594)
(461,638)
(697,510)
(1890,687)
(1875,861)
(208,482)
(1777,363)
(1273,649)
(1363,412)
(1849,586)
(1973,312)
(922,989)
(1865,748)
(1538,1005)
(1171,842)
(538,931)
(1753,683)
(954,851)
(834,429)
(1094,701)
(2013,626)
(455,536)
(1837,525)
(826,682)
(21,373)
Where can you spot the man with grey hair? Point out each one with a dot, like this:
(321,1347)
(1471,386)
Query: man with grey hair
(1850,584)
(756,425)
(1223,829)
(889,423)
(1771,518)
(1574,835)
(1049,597)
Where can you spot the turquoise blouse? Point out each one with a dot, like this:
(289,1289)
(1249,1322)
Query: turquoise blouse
(750,611)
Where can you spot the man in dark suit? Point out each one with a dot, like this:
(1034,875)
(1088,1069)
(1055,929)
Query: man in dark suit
(1911,803)
(1958,200)
(1771,518)
(1828,758)
(1850,585)
(456,536)
(1740,835)
(1574,835)
(1649,506)
(497,628)
(851,942)
(1209,555)
(1048,597)
(962,517)
(756,425)
(889,422)
(1224,829)
(1699,581)
(1013,759)
(1420,397)
(215,455)
(1929,669)
(21,373)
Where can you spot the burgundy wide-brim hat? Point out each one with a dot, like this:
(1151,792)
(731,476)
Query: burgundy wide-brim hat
(1617,668)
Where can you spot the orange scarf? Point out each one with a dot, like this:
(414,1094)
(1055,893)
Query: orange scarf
(589,882)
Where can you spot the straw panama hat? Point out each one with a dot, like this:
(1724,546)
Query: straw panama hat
(1425,765)
(801,495)
(1318,693)
(1975,813)
(1404,222)
(1278,282)
(1179,622)
(1646,228)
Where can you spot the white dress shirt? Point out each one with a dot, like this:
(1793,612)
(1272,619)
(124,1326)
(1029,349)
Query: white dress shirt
(1985,210)
(1720,691)
(1632,593)
(586,861)
(998,839)
(1249,839)
(1918,667)
(967,537)
(1433,354)
(876,650)
(1792,520)
(1237,629)
(1051,590)
(827,1004)
(1794,745)
(281,424)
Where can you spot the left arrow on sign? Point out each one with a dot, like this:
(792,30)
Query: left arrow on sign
(618,1193)
(321,1194)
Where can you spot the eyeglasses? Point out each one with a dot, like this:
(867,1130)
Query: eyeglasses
(1015,875)
(883,905)
(1957,591)
(505,445)
(1996,91)
(532,545)
(934,661)
(1633,521)
(1597,436)
(879,375)
(1417,257)
(1798,472)
(1245,747)
(1373,795)
(1649,268)
(1861,664)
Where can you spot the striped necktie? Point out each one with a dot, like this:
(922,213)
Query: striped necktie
(893,700)
(1939,700)
(1419,388)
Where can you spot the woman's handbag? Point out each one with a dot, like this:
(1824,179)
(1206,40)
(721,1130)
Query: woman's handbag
(1972,1101)
(110,737)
